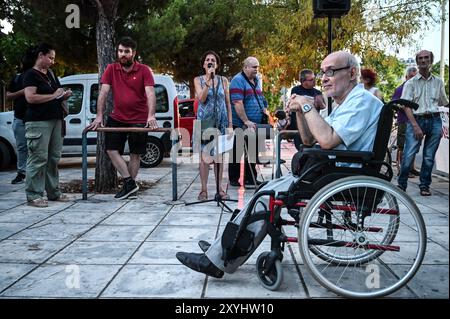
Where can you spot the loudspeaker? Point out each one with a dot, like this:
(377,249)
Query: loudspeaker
(333,8)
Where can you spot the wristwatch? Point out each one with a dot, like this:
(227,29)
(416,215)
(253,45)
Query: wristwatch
(306,108)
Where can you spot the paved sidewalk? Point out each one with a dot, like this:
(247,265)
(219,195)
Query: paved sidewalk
(126,249)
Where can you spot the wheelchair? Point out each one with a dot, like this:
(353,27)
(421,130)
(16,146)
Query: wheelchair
(359,235)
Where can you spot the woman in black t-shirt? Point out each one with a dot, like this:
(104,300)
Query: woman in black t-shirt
(43,126)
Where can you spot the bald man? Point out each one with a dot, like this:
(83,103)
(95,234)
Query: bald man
(248,106)
(428,91)
(351,126)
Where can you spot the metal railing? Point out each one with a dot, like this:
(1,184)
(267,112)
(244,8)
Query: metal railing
(174,137)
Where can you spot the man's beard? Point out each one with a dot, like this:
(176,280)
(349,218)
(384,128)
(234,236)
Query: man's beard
(126,62)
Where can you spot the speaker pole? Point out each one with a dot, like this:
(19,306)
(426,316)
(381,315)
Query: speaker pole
(330,49)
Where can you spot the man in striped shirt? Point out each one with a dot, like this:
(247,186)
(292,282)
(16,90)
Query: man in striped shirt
(248,107)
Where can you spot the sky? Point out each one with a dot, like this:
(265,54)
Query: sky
(429,41)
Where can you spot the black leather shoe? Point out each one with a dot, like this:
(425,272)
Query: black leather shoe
(235,183)
(204,245)
(251,184)
(200,263)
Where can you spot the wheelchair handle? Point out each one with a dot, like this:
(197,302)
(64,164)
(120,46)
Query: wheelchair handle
(406,103)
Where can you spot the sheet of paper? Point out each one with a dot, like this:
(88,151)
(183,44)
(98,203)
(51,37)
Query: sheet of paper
(225,143)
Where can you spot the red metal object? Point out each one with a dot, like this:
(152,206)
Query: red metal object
(351,208)
(187,113)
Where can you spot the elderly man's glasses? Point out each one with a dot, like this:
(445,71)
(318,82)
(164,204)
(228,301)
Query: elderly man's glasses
(331,72)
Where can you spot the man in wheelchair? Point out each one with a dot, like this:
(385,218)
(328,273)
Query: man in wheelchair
(351,126)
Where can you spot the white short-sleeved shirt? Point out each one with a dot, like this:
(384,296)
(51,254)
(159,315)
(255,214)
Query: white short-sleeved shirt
(428,93)
(356,120)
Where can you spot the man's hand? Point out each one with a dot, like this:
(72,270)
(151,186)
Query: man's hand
(319,102)
(250,125)
(98,122)
(151,122)
(297,101)
(418,134)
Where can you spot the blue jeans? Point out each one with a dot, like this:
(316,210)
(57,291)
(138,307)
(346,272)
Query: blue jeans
(432,129)
(21,145)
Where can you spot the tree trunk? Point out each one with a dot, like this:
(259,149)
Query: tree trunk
(105,173)
(191,88)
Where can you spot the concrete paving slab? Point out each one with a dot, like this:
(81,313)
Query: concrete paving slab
(52,231)
(8,229)
(77,217)
(95,253)
(435,286)
(244,283)
(177,219)
(10,273)
(63,281)
(182,233)
(134,218)
(118,233)
(155,281)
(29,251)
(162,252)
(24,216)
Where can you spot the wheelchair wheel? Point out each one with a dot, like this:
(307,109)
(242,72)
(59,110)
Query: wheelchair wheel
(272,277)
(386,237)
(368,234)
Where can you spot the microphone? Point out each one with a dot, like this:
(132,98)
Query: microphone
(210,65)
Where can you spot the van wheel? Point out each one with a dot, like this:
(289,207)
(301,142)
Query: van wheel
(5,155)
(154,153)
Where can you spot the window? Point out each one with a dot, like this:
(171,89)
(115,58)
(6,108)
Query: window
(93,99)
(75,101)
(162,99)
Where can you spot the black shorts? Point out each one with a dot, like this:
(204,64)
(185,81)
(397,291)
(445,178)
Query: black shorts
(115,141)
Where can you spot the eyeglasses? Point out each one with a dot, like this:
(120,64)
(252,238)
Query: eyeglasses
(330,72)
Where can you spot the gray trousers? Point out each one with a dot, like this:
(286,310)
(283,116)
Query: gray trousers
(259,228)
(44,143)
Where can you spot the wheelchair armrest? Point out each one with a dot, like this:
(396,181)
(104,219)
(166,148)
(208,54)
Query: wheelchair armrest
(341,155)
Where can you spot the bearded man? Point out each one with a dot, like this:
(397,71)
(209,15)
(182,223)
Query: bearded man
(134,105)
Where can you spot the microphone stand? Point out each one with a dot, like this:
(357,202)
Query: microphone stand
(217,198)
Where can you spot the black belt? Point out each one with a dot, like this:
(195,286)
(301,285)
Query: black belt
(427,115)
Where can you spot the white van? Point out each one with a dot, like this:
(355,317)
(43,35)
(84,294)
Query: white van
(82,111)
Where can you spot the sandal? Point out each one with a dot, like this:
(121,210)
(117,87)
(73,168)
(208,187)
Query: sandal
(203,195)
(224,195)
(425,192)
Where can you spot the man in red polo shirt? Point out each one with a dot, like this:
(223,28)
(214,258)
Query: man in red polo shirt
(134,100)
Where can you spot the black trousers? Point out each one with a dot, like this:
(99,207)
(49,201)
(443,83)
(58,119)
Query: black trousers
(234,166)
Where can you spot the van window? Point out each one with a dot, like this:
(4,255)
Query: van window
(75,101)
(162,99)
(93,99)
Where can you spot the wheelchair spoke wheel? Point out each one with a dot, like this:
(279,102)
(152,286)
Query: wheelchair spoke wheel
(362,237)
(270,276)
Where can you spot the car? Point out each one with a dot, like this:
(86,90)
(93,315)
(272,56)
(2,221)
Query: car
(187,109)
(82,111)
